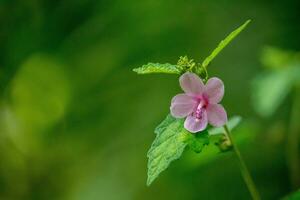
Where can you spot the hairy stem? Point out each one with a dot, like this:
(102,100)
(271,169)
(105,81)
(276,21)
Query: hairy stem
(243,168)
(292,145)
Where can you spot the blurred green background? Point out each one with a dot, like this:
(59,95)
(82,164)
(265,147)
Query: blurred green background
(76,122)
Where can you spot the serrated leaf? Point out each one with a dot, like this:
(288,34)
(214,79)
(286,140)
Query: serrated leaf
(224,43)
(197,141)
(158,68)
(167,146)
(231,124)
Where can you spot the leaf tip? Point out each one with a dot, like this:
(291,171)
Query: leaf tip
(149,181)
(247,22)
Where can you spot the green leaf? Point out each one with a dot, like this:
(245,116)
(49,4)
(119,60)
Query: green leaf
(224,43)
(167,146)
(158,68)
(270,89)
(231,124)
(197,141)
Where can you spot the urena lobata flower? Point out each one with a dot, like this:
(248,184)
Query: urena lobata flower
(200,103)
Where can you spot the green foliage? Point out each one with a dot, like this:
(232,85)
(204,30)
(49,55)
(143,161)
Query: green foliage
(271,88)
(158,68)
(171,140)
(231,124)
(184,64)
(91,148)
(223,44)
(244,134)
(197,141)
(167,146)
(218,137)
(171,137)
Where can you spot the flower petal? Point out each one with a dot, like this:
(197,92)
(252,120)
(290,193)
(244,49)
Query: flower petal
(214,90)
(191,83)
(216,114)
(182,105)
(195,125)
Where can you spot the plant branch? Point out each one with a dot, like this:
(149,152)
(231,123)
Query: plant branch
(243,168)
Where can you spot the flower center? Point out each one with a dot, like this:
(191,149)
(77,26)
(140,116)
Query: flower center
(202,104)
(200,109)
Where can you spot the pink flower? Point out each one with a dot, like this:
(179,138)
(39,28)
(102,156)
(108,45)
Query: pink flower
(199,103)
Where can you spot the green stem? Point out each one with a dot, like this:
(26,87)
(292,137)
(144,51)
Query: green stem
(293,142)
(201,71)
(244,170)
(206,74)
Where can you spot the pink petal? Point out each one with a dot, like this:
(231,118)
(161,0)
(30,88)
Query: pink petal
(191,83)
(217,115)
(182,105)
(214,90)
(195,125)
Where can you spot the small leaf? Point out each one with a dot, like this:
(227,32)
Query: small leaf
(231,124)
(167,146)
(197,141)
(224,43)
(158,68)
